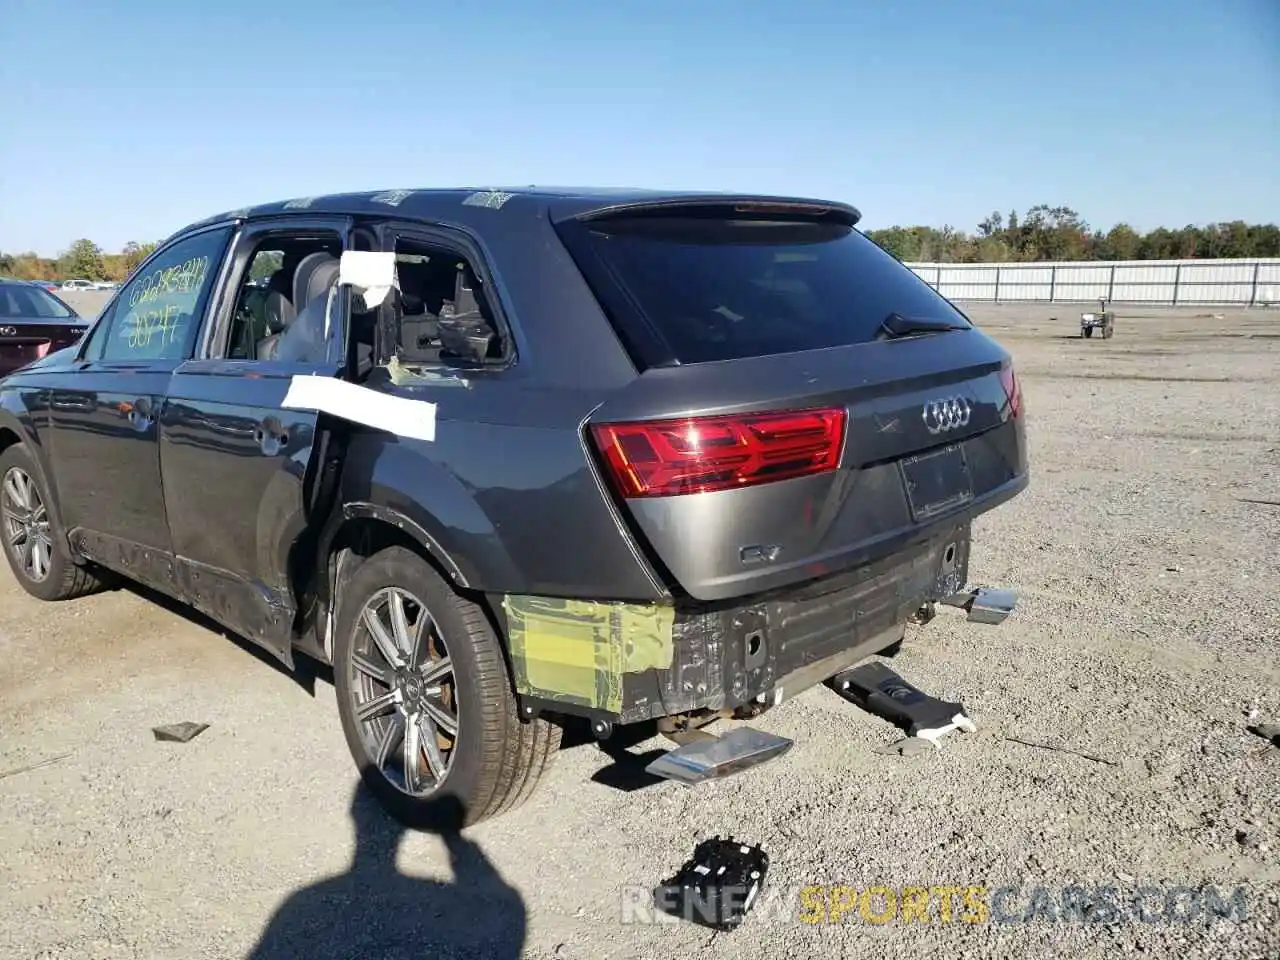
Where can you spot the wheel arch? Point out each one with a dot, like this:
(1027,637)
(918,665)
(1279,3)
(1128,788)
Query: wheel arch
(387,521)
(357,533)
(11,435)
(12,429)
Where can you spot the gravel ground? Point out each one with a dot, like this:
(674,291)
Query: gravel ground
(1146,638)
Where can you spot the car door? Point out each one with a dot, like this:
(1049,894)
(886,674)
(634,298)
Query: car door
(103,411)
(239,468)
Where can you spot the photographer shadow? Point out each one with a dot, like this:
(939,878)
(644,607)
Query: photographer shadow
(373,910)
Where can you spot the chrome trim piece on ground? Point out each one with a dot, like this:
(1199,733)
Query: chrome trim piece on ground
(985,604)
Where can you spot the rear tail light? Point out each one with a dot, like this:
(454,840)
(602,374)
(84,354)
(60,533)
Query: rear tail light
(661,458)
(1012,390)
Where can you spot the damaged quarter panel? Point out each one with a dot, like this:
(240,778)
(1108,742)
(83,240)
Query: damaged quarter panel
(544,528)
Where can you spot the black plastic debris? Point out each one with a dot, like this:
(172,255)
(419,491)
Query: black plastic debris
(1267,731)
(717,886)
(878,690)
(179,732)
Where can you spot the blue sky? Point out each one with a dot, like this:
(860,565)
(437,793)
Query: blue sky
(125,124)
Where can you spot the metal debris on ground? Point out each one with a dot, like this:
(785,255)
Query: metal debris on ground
(179,732)
(33,766)
(1075,753)
(713,757)
(880,691)
(717,886)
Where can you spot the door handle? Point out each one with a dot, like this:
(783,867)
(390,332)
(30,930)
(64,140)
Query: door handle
(271,436)
(140,417)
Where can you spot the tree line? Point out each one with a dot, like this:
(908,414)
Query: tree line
(83,260)
(1041,233)
(1059,233)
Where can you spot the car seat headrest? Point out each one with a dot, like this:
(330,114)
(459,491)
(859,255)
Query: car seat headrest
(316,273)
(411,304)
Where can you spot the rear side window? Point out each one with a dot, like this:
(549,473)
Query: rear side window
(31,303)
(719,288)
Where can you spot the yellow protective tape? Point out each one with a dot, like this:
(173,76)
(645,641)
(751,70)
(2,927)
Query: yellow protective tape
(576,651)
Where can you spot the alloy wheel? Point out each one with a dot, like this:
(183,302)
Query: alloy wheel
(403,692)
(27,533)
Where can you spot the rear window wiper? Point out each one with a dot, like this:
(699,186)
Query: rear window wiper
(896,325)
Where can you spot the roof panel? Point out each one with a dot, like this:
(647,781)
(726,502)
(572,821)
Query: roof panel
(464,205)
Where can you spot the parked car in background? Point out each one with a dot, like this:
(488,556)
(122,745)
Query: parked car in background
(77,285)
(105,285)
(33,324)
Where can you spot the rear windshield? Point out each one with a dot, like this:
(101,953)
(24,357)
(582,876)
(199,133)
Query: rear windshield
(30,303)
(720,289)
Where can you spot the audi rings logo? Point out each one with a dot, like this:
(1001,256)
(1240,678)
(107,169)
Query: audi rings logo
(8,331)
(946,414)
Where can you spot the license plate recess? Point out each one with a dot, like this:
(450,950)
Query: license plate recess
(937,481)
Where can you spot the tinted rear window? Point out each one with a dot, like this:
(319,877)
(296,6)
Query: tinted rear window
(719,289)
(30,303)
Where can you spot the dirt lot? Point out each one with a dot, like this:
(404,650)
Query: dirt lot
(86,302)
(1146,638)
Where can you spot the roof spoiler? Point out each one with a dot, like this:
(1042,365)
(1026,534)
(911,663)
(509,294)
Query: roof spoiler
(743,205)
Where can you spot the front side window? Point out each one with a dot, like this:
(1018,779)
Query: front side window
(159,308)
(283,303)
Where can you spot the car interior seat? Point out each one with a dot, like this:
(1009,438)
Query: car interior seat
(419,330)
(303,336)
(262,313)
(470,323)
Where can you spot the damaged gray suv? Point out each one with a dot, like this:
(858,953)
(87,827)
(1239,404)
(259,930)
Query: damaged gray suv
(507,458)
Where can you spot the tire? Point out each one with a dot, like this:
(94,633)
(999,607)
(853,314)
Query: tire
(495,762)
(47,572)
(1087,332)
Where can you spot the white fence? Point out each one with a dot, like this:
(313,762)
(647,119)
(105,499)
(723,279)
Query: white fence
(1228,282)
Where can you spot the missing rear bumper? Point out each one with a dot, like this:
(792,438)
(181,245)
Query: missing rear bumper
(732,655)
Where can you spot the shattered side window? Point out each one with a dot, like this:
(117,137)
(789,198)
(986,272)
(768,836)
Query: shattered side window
(443,316)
